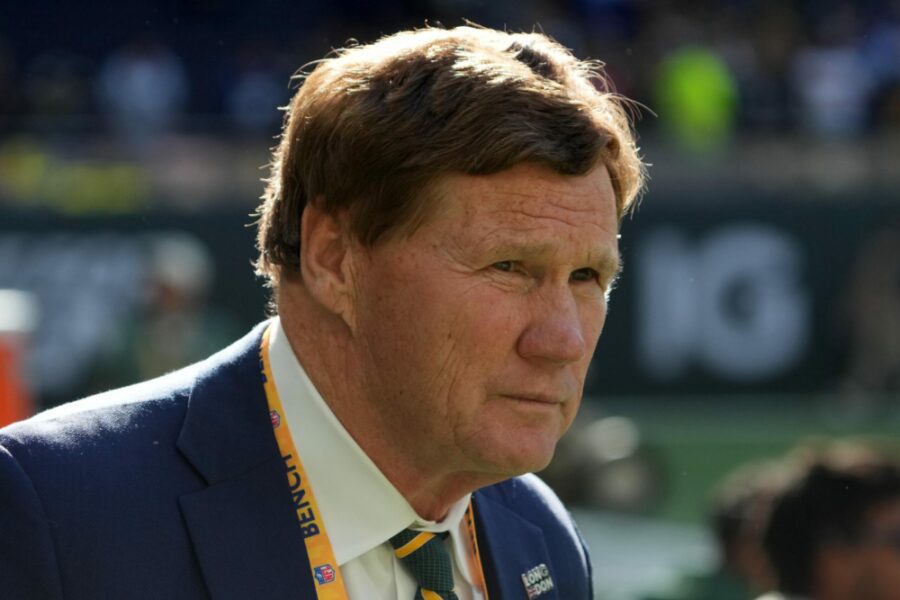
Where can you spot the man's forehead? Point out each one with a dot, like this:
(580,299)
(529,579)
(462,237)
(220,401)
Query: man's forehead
(529,213)
(528,192)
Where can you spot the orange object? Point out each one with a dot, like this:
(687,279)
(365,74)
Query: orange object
(15,403)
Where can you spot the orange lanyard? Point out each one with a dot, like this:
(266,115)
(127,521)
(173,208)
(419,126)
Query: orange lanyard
(326,574)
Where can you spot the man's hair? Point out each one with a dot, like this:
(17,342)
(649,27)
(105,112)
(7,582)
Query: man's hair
(827,503)
(740,505)
(374,127)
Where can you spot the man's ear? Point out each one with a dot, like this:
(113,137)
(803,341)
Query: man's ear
(325,256)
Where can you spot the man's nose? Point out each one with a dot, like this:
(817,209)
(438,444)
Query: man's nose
(555,333)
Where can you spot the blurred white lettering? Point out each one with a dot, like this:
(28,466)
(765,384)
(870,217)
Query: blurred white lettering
(732,302)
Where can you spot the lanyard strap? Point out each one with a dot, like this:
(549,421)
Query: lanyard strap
(326,574)
(475,564)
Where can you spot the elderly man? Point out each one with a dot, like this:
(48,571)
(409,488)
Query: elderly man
(440,233)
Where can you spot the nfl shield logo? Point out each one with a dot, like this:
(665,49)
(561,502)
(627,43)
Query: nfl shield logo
(276,418)
(324,574)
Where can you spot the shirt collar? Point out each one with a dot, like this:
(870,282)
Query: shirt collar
(359,507)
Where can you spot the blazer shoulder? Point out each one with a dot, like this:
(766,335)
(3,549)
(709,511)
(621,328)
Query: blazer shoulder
(154,405)
(533,500)
(106,415)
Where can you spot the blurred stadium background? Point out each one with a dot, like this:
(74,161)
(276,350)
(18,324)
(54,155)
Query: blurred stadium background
(760,302)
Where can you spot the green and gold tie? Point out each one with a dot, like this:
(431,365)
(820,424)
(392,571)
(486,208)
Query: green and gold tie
(424,555)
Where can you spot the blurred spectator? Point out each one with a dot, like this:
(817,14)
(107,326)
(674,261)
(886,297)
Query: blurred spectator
(834,530)
(880,48)
(144,88)
(737,517)
(739,511)
(766,98)
(828,67)
(697,98)
(177,325)
(833,82)
(874,317)
(257,87)
(603,464)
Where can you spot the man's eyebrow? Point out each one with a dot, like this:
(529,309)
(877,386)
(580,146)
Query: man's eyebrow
(602,261)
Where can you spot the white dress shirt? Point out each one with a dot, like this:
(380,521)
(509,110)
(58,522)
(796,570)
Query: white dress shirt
(360,509)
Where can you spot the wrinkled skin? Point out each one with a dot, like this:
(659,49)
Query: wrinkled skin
(478,328)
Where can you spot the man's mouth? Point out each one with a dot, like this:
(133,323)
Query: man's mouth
(537,399)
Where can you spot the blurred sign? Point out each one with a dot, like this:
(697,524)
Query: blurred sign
(732,302)
(749,296)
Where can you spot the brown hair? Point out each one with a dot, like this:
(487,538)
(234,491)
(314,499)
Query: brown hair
(828,501)
(375,126)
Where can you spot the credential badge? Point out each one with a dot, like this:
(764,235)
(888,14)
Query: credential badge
(537,581)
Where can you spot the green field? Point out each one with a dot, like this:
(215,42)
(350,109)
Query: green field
(699,440)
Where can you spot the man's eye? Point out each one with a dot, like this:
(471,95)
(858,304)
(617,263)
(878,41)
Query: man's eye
(504,265)
(585,274)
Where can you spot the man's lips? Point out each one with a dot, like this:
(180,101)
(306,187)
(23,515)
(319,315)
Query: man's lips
(534,398)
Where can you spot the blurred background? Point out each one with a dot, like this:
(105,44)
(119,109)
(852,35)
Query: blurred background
(760,303)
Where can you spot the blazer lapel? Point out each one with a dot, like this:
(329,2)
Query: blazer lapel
(243,526)
(513,553)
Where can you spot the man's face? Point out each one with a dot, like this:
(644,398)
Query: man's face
(476,330)
(868,568)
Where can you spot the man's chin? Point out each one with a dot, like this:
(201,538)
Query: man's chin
(519,462)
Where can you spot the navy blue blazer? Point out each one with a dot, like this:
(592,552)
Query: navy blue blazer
(174,488)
